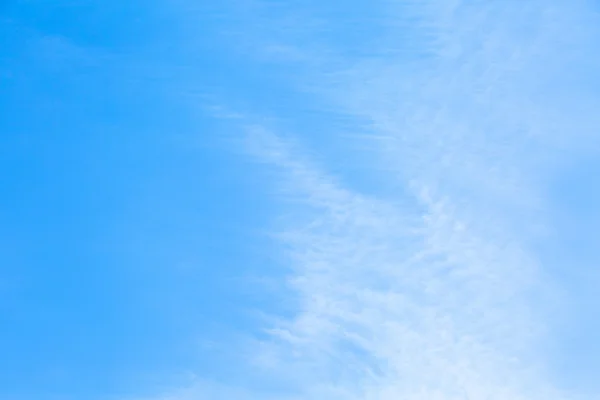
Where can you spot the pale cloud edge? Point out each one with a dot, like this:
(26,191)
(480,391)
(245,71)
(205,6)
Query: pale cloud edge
(434,295)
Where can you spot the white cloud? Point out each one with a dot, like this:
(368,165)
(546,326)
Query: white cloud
(398,304)
(434,296)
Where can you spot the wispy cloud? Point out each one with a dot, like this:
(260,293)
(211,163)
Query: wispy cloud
(398,303)
(436,293)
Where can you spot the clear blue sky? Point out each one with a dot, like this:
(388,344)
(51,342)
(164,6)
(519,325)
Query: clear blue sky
(299,200)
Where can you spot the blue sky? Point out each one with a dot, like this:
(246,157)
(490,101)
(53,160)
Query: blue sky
(299,200)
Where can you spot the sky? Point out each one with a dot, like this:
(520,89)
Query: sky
(300,200)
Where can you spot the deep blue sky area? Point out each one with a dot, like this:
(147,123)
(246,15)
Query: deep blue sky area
(116,213)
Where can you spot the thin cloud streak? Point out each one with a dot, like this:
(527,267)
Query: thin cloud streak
(443,306)
(438,295)
(397,304)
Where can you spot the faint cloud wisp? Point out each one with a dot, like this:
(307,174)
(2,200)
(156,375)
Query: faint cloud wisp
(435,294)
